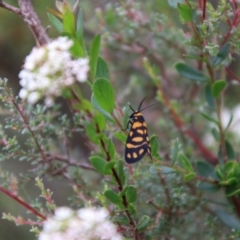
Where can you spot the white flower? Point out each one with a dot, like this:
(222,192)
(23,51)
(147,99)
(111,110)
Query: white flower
(84,224)
(49,69)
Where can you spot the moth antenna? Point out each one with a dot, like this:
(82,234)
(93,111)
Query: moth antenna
(149,106)
(140,105)
(131,107)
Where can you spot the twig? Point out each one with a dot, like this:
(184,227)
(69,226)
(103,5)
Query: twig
(69,161)
(29,16)
(26,205)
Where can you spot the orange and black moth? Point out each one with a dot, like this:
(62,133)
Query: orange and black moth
(137,144)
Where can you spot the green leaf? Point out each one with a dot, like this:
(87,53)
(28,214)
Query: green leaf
(229,183)
(185,163)
(113,197)
(131,194)
(111,148)
(120,172)
(99,119)
(229,122)
(231,169)
(91,132)
(104,94)
(154,143)
(76,49)
(102,69)
(55,22)
(121,219)
(131,209)
(207,170)
(209,96)
(167,170)
(69,22)
(230,151)
(194,57)
(120,136)
(174,3)
(233,189)
(215,134)
(190,73)
(143,223)
(79,23)
(221,55)
(175,148)
(218,87)
(209,118)
(126,116)
(189,177)
(185,12)
(93,55)
(104,113)
(110,165)
(228,219)
(100,165)
(208,187)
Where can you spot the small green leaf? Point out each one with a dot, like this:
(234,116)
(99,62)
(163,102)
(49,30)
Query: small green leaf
(121,220)
(194,57)
(131,194)
(91,132)
(79,23)
(154,143)
(143,223)
(175,148)
(233,189)
(104,113)
(110,165)
(100,165)
(209,118)
(113,197)
(185,163)
(100,120)
(229,122)
(229,182)
(167,170)
(209,96)
(69,22)
(93,55)
(120,136)
(111,148)
(190,73)
(55,22)
(126,116)
(221,55)
(215,134)
(228,219)
(218,87)
(185,12)
(76,49)
(104,94)
(207,170)
(230,151)
(189,177)
(174,3)
(120,172)
(102,69)
(208,187)
(131,209)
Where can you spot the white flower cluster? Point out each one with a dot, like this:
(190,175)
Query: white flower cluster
(85,224)
(49,69)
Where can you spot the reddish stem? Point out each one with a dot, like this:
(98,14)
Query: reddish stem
(26,205)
